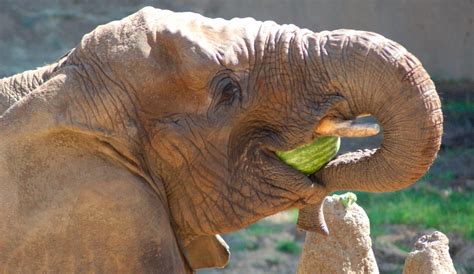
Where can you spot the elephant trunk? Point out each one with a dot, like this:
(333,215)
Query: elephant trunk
(379,77)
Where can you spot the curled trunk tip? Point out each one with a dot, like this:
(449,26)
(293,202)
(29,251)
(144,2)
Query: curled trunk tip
(379,77)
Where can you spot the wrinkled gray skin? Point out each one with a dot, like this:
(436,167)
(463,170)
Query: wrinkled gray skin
(158,132)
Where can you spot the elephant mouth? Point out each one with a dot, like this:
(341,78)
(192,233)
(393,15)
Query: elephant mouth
(309,158)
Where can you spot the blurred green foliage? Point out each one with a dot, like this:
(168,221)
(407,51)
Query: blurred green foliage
(421,205)
(263,228)
(461,107)
(273,260)
(288,246)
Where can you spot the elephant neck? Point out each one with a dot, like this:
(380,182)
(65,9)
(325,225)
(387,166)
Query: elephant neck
(15,87)
(106,109)
(75,99)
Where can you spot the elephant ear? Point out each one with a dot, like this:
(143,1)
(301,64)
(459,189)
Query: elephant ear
(207,252)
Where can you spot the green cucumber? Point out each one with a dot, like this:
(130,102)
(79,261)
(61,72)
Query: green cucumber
(346,199)
(311,157)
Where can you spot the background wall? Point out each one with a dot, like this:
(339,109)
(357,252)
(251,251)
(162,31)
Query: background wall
(439,32)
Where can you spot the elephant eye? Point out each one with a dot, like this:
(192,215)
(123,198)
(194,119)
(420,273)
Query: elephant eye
(229,92)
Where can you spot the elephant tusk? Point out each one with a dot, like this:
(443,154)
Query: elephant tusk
(329,126)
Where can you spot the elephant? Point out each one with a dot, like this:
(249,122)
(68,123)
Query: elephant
(158,132)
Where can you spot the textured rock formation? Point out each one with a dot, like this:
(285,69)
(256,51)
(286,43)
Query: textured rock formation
(348,248)
(430,255)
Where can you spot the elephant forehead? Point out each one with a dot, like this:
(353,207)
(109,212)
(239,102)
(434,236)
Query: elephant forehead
(199,39)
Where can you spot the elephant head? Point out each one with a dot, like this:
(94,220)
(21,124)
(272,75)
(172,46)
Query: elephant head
(217,98)
(197,107)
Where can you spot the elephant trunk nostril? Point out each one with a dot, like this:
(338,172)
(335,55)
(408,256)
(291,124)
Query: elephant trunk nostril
(311,218)
(346,128)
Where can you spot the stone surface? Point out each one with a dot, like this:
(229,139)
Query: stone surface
(348,248)
(430,255)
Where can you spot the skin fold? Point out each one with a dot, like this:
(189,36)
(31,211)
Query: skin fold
(157,132)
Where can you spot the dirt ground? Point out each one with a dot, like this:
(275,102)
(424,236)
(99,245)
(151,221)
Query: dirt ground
(261,255)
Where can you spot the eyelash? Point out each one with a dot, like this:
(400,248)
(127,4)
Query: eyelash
(230,91)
